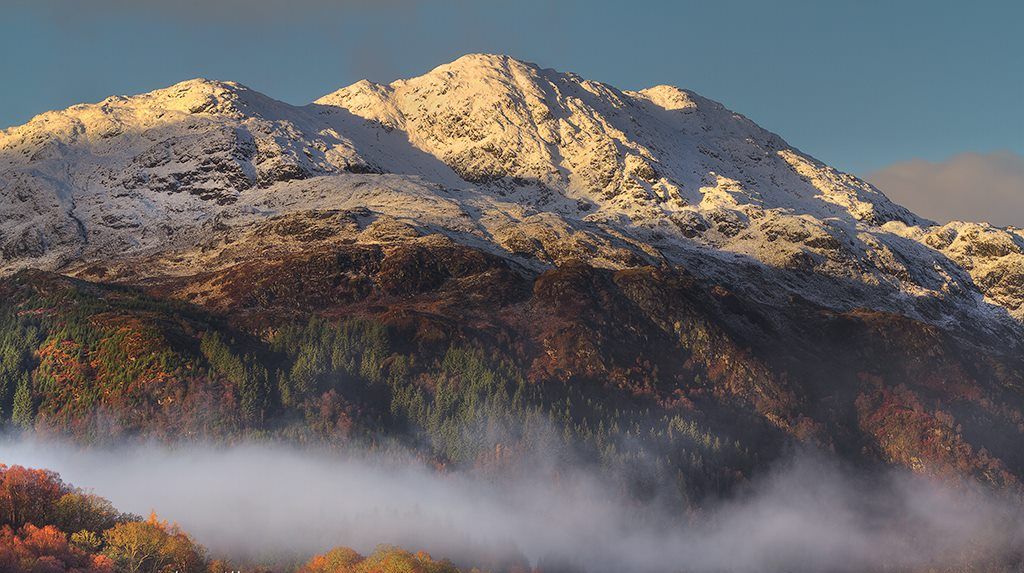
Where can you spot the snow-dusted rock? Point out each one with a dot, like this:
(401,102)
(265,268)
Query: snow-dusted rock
(539,166)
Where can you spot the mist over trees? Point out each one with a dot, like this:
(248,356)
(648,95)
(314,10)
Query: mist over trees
(171,372)
(48,526)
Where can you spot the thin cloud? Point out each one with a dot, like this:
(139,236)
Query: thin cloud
(966,187)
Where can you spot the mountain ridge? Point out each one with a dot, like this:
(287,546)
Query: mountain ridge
(537,165)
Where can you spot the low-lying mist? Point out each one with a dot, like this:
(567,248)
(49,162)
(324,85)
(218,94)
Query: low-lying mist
(258,502)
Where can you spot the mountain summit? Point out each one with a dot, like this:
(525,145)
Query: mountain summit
(530,164)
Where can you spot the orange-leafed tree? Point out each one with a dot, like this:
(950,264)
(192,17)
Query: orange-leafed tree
(386,559)
(28,495)
(337,560)
(153,546)
(46,550)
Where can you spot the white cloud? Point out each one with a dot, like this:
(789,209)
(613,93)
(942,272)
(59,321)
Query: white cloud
(968,187)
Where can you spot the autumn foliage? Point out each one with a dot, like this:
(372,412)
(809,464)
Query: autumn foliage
(386,559)
(46,550)
(39,497)
(37,510)
(28,495)
(153,546)
(47,526)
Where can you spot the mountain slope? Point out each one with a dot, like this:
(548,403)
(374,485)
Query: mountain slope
(624,263)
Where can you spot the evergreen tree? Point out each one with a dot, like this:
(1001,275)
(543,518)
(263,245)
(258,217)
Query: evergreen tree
(23,412)
(254,392)
(7,388)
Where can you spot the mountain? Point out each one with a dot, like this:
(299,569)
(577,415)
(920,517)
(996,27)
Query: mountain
(647,259)
(531,164)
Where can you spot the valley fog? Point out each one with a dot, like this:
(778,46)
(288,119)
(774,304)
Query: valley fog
(268,502)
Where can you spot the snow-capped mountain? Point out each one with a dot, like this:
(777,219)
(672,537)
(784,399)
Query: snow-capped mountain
(534,165)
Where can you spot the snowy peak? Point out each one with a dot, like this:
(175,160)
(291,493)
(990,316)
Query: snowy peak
(670,98)
(498,121)
(494,121)
(211,97)
(116,114)
(534,164)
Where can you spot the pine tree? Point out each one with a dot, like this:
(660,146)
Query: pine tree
(254,392)
(23,411)
(284,388)
(7,386)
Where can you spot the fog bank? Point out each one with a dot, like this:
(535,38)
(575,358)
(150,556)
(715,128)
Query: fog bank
(807,514)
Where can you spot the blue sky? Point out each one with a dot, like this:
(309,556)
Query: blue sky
(860,85)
